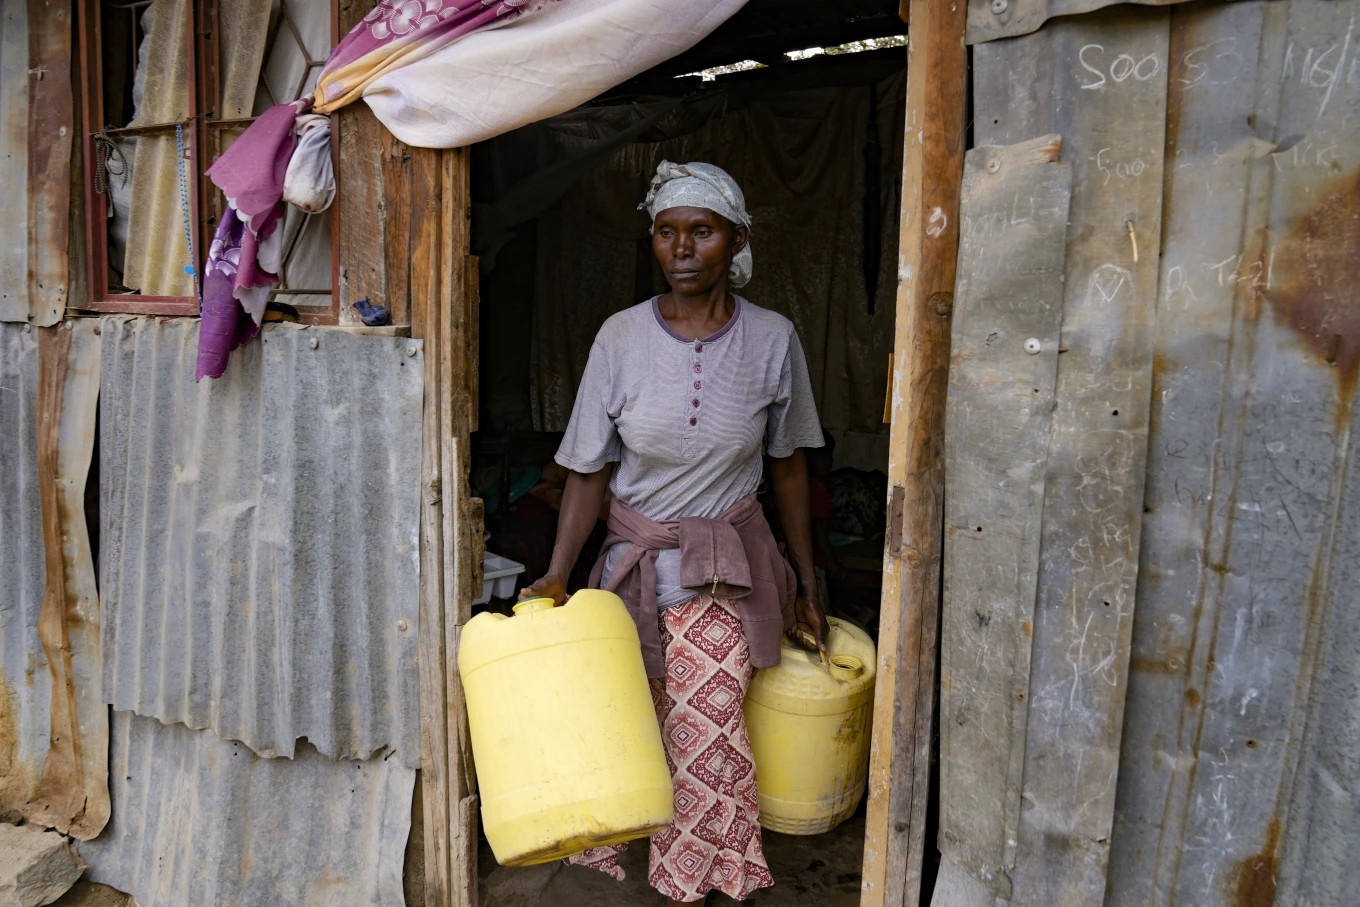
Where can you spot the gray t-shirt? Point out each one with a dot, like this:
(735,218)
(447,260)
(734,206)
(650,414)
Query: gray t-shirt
(687,419)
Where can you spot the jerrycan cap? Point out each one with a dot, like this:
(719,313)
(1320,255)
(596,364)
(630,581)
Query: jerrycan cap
(845,668)
(533,605)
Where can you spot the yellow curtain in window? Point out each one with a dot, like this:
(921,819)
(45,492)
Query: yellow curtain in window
(157,250)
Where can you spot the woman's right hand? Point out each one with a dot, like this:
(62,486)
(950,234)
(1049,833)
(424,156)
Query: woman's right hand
(546,587)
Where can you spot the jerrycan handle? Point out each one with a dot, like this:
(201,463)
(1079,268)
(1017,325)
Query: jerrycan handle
(845,668)
(533,605)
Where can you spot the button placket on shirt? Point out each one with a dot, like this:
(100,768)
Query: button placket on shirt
(694,409)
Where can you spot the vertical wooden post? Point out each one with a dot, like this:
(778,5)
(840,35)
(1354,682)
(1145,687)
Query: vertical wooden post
(462,530)
(427,312)
(443,316)
(932,171)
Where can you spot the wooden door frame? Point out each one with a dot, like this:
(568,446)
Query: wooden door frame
(444,314)
(444,308)
(904,705)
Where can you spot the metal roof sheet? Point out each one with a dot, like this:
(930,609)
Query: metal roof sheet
(200,820)
(260,536)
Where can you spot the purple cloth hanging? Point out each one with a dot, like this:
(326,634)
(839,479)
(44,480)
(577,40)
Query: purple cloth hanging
(250,173)
(226,325)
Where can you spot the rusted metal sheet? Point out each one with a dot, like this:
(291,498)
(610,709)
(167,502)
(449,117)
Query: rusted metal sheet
(73,795)
(37,111)
(51,128)
(260,536)
(1088,560)
(53,723)
(200,820)
(992,19)
(1238,777)
(1003,367)
(25,684)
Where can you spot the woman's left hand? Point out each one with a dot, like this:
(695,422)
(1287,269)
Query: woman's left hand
(810,625)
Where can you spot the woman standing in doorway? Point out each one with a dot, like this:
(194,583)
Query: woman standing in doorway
(687,393)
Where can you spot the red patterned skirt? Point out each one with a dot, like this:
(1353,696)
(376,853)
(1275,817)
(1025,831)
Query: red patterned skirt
(714,843)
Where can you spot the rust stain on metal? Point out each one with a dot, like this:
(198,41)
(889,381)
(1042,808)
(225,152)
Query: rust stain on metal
(1257,875)
(51,123)
(72,795)
(14,786)
(1156,666)
(54,801)
(1317,266)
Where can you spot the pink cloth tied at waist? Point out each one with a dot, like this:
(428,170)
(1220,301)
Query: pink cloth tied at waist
(732,556)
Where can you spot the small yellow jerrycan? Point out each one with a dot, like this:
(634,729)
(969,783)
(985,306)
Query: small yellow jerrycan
(564,736)
(809,726)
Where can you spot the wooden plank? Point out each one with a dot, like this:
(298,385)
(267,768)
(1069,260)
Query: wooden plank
(425,315)
(51,126)
(1113,127)
(472,308)
(73,795)
(361,202)
(363,235)
(397,216)
(1003,368)
(932,168)
(458,543)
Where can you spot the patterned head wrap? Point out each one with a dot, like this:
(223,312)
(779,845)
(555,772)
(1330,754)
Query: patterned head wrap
(700,185)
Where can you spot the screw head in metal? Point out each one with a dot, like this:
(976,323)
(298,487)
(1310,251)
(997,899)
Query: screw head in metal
(313,343)
(411,351)
(993,165)
(69,325)
(1033,346)
(402,625)
(1000,6)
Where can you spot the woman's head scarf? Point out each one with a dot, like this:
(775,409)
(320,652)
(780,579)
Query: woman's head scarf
(700,185)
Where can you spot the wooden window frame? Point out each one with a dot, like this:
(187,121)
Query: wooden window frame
(201,132)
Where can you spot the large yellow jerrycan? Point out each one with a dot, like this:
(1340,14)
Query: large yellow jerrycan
(564,736)
(809,725)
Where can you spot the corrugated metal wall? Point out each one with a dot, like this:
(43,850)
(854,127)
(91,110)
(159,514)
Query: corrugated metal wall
(259,569)
(25,683)
(1191,723)
(1238,725)
(37,110)
(53,722)
(202,821)
(260,534)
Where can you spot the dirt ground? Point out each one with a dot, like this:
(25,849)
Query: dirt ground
(815,871)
